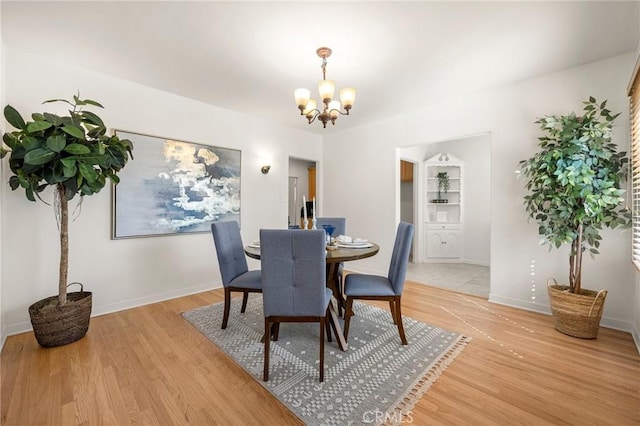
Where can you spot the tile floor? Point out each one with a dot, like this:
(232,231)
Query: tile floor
(462,277)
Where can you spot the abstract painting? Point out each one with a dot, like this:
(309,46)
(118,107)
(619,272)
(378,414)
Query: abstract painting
(175,187)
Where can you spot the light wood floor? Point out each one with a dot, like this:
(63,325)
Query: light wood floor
(148,366)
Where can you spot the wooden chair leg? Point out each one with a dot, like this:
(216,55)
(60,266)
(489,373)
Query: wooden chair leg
(332,283)
(276,331)
(322,327)
(347,317)
(267,331)
(399,321)
(328,325)
(392,308)
(245,297)
(227,306)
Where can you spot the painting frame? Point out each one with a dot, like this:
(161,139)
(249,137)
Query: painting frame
(174,187)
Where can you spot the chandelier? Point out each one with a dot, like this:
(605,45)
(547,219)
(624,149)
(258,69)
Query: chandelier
(326,88)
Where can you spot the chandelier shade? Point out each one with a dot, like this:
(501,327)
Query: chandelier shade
(331,109)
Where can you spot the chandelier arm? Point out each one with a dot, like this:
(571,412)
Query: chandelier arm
(340,112)
(315,115)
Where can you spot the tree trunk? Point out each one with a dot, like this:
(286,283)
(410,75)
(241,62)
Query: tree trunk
(64,244)
(575,263)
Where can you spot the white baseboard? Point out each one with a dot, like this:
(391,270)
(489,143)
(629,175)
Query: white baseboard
(544,309)
(3,337)
(636,337)
(476,262)
(515,303)
(98,310)
(147,300)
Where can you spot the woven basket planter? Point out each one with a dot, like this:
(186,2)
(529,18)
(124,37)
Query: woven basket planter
(61,325)
(576,314)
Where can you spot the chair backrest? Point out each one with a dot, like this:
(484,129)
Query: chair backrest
(293,264)
(230,251)
(400,256)
(339,223)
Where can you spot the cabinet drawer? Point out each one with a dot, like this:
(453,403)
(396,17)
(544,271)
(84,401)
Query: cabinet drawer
(445,226)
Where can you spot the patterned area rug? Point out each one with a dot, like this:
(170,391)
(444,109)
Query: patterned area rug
(377,380)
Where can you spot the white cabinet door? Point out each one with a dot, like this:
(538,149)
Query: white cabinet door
(443,244)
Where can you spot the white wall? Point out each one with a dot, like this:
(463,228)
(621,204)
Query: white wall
(508,114)
(126,273)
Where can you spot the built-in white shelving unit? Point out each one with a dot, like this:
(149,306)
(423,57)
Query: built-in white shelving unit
(443,208)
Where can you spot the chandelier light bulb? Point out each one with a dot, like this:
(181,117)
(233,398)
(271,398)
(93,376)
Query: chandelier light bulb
(347,97)
(334,109)
(311,106)
(302,97)
(326,88)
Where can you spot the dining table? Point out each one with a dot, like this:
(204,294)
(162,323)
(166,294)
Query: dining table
(336,254)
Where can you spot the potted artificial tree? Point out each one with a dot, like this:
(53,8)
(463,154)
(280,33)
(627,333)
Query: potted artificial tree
(575,189)
(74,155)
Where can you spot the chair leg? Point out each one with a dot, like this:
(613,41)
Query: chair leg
(245,297)
(227,306)
(392,307)
(328,325)
(276,331)
(267,332)
(323,321)
(399,321)
(347,317)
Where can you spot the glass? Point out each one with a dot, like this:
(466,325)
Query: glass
(328,229)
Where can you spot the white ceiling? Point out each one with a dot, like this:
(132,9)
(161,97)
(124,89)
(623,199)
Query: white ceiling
(250,56)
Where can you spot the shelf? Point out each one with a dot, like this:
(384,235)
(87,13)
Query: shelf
(455,191)
(443,204)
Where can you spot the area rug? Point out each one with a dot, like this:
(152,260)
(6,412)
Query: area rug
(377,380)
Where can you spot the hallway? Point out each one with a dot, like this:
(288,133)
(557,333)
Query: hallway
(460,277)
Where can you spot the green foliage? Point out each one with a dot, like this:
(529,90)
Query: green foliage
(443,182)
(72,153)
(72,150)
(575,181)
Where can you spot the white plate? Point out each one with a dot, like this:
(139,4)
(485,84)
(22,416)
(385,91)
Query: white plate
(354,243)
(355,246)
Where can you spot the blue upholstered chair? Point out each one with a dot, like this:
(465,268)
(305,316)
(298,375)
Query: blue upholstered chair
(339,223)
(293,283)
(233,265)
(340,226)
(375,287)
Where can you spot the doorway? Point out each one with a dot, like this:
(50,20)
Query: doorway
(408,174)
(302,182)
(470,271)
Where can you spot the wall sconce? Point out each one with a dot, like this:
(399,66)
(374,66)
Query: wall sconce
(265,169)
